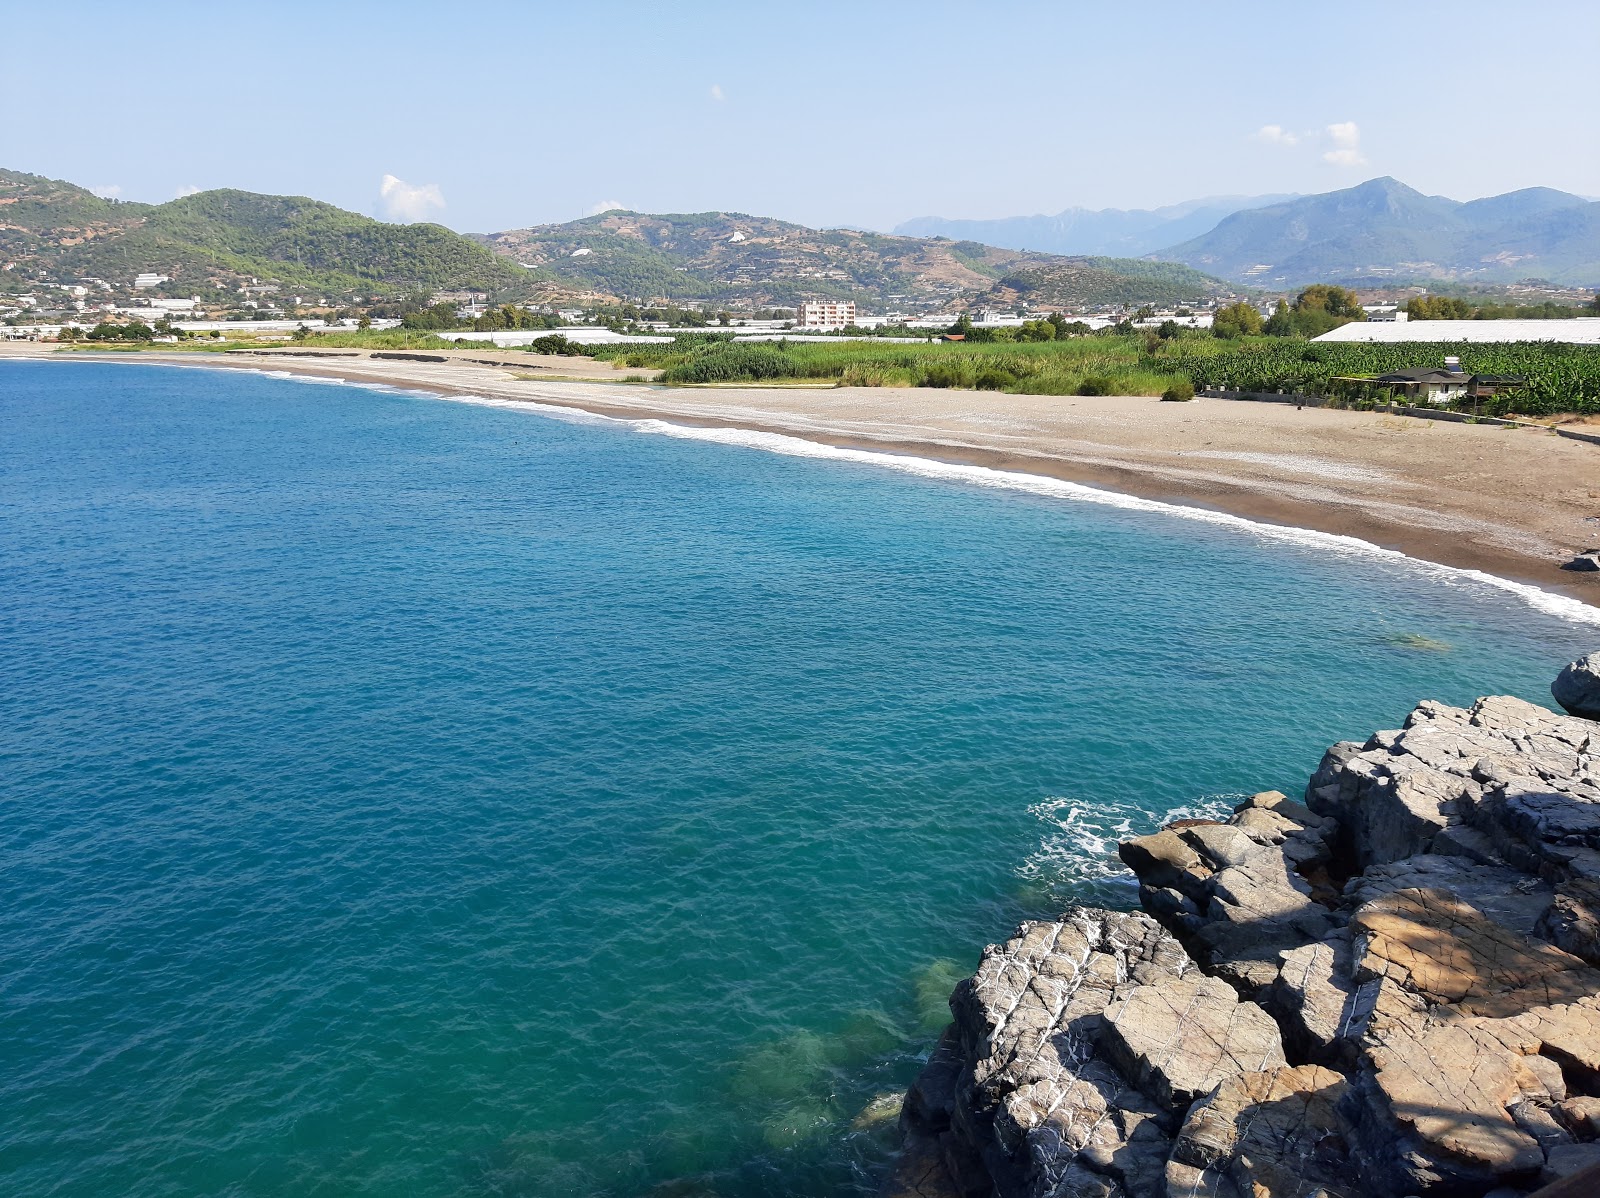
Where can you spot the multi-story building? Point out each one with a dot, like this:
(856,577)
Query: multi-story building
(825,314)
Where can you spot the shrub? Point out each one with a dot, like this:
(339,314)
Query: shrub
(1096,384)
(1181,391)
(994,379)
(955,373)
(726,362)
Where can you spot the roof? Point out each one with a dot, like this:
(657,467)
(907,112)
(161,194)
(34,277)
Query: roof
(1582,330)
(1423,374)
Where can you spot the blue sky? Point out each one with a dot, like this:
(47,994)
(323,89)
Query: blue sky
(503,115)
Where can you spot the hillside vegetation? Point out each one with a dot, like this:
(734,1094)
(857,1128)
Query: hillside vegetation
(218,237)
(731,258)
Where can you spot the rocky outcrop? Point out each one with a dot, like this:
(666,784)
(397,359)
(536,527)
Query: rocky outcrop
(1389,989)
(1577,688)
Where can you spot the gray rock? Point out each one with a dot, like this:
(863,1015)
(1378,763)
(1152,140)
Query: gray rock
(1272,1134)
(1577,688)
(1180,1039)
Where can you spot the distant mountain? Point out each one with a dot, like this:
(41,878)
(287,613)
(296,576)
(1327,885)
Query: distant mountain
(1383,230)
(1113,232)
(729,257)
(215,238)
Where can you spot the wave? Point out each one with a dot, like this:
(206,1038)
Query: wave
(1560,606)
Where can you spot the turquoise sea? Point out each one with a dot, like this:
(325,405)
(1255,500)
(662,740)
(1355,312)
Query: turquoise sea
(427,798)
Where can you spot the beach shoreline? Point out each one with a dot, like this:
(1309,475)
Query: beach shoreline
(1475,497)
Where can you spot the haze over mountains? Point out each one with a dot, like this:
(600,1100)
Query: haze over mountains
(1383,231)
(1378,232)
(1117,232)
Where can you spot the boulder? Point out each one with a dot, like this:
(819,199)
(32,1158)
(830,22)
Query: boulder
(1180,1039)
(1577,688)
(1277,1133)
(1583,563)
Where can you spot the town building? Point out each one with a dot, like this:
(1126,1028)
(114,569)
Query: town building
(825,314)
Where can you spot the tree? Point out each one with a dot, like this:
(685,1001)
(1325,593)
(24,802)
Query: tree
(962,327)
(1438,307)
(1144,313)
(1335,301)
(1281,322)
(364,323)
(1236,320)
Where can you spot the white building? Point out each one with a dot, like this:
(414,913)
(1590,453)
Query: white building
(1582,330)
(147,280)
(825,314)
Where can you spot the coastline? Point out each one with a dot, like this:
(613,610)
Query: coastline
(1469,497)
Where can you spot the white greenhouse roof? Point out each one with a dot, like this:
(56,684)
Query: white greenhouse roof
(1583,330)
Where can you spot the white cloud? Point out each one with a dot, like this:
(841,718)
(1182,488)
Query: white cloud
(107,191)
(1276,135)
(406,202)
(716,92)
(1346,139)
(604,206)
(188,189)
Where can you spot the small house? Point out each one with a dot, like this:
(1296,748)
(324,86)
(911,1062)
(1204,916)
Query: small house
(1439,386)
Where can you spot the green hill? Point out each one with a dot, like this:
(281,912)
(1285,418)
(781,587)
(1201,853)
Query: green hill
(218,237)
(733,258)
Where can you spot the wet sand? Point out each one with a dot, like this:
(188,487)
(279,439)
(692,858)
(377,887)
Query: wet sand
(1515,503)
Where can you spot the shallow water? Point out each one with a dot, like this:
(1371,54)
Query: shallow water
(428,798)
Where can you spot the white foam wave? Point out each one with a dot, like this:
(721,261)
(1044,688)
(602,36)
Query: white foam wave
(1560,606)
(1079,855)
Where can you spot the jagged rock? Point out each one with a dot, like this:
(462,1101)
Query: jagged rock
(1222,844)
(1568,1159)
(1572,920)
(1322,1010)
(1436,1107)
(1577,688)
(1271,1134)
(1165,859)
(1424,930)
(1178,1039)
(1507,896)
(1039,1102)
(1582,1115)
(1434,945)
(1583,563)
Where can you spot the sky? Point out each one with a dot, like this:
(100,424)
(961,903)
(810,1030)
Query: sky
(856,114)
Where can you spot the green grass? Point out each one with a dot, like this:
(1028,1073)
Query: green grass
(1117,365)
(1561,378)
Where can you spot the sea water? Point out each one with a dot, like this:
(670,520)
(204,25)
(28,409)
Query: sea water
(412,797)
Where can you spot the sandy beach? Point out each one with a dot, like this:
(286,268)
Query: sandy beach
(1511,502)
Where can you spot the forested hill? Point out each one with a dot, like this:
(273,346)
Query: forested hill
(729,257)
(216,238)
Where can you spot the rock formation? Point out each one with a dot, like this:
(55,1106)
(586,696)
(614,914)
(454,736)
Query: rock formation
(1389,989)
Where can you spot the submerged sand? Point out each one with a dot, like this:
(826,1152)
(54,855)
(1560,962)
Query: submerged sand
(1516,503)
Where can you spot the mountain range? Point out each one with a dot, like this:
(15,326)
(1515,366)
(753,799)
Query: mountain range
(1384,231)
(1106,231)
(1378,232)
(214,240)
(725,257)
